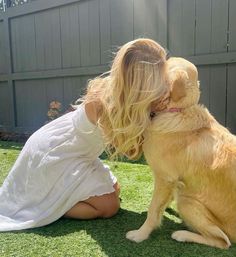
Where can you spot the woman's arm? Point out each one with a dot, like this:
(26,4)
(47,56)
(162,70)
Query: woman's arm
(92,111)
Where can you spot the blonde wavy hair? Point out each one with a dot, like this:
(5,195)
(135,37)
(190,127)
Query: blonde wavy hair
(124,96)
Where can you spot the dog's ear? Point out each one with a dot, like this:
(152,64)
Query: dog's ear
(178,86)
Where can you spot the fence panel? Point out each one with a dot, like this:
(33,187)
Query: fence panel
(202,36)
(70,36)
(232,27)
(150,20)
(231,93)
(50,48)
(3,68)
(181,28)
(5,95)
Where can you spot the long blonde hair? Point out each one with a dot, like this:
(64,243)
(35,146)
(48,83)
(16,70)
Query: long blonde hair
(136,79)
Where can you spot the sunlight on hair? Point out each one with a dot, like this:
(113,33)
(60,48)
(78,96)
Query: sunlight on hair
(125,94)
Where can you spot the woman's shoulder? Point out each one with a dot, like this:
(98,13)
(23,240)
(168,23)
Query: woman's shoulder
(93,111)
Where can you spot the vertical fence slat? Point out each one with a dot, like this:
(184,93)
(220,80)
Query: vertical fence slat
(232,27)
(70,39)
(89,33)
(121,22)
(219,26)
(203,27)
(9,65)
(213,90)
(150,20)
(94,32)
(162,22)
(3,68)
(181,28)
(48,39)
(105,31)
(174,26)
(15,33)
(5,106)
(231,94)
(74,89)
(23,40)
(140,17)
(24,103)
(188,27)
(218,92)
(84,32)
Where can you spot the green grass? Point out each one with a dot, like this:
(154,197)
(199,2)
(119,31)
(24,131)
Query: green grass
(103,237)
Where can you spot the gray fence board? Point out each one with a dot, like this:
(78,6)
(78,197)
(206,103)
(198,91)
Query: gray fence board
(48,43)
(232,27)
(141,18)
(218,92)
(105,31)
(74,88)
(5,107)
(33,98)
(213,89)
(89,33)
(219,25)
(203,27)
(29,95)
(162,22)
(175,26)
(94,33)
(15,34)
(121,21)
(70,37)
(188,27)
(23,43)
(181,27)
(231,93)
(150,20)
(3,68)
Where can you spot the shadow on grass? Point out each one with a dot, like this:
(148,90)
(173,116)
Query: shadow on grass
(110,236)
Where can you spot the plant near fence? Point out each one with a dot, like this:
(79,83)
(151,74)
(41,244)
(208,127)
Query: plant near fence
(55,110)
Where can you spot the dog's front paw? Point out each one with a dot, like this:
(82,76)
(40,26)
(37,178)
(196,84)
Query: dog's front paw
(136,236)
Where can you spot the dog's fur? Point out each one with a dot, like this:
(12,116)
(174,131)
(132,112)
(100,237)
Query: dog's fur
(193,159)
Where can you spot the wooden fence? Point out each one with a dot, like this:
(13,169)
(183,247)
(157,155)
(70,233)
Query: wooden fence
(50,48)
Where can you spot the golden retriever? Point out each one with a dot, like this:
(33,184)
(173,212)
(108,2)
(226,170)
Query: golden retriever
(193,159)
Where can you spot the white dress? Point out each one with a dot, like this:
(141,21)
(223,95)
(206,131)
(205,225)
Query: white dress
(57,168)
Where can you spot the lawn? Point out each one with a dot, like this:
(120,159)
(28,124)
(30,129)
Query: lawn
(103,237)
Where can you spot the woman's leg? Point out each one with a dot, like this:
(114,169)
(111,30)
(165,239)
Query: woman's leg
(104,206)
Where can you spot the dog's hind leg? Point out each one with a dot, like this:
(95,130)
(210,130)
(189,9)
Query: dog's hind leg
(201,220)
(187,236)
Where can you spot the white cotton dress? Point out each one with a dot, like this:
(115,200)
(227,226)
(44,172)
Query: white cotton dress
(57,167)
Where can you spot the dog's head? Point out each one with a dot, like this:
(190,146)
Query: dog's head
(183,77)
